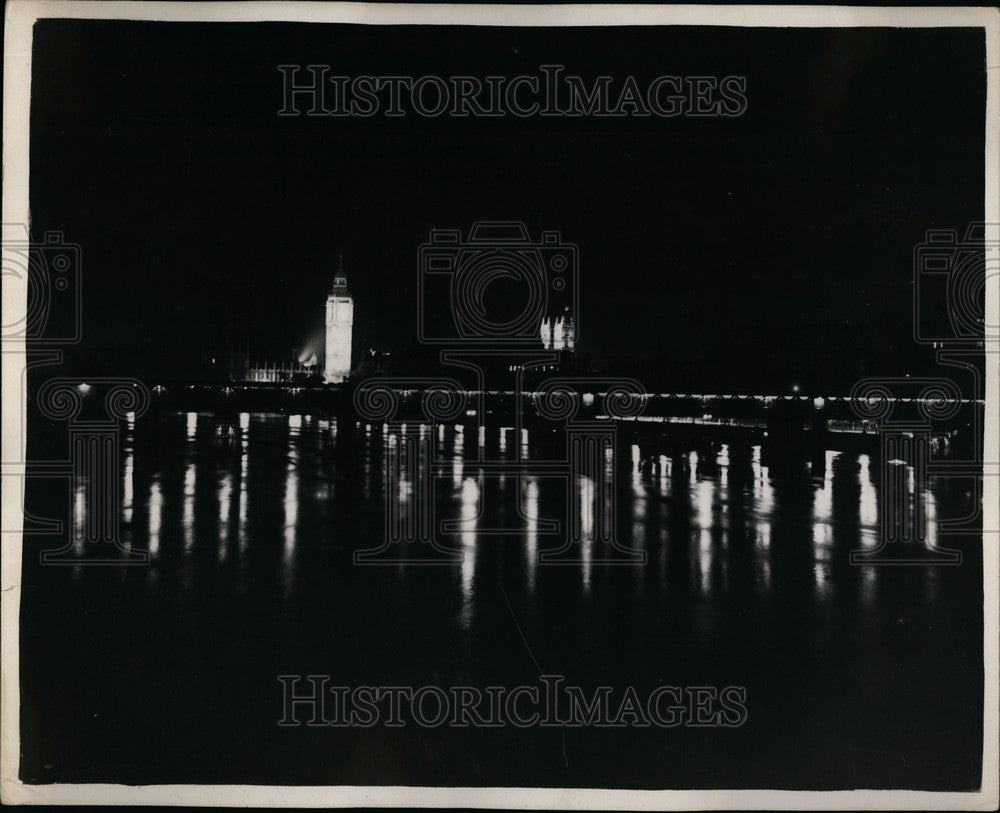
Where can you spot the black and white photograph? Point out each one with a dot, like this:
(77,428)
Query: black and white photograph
(538,406)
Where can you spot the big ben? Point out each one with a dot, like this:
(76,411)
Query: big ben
(339,329)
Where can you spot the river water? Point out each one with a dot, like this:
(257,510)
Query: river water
(855,675)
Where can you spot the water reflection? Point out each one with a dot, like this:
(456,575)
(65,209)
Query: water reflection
(225,507)
(80,515)
(292,488)
(529,510)
(867,504)
(747,580)
(586,488)
(189,492)
(709,519)
(244,461)
(822,527)
(155,511)
(469,518)
(128,489)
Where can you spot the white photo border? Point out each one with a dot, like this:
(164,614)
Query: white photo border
(20,18)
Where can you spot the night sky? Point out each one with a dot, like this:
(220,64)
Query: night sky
(746,252)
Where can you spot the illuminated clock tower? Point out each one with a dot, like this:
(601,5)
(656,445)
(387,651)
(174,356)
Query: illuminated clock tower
(339,329)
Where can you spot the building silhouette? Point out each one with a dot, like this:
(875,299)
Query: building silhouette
(339,329)
(558,333)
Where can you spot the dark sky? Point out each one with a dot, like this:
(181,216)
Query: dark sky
(733,252)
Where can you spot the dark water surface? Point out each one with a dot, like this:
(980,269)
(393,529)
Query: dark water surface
(856,676)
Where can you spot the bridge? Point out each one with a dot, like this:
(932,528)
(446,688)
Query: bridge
(786,426)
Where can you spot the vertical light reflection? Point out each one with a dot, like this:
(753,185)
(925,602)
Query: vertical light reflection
(405,485)
(704,498)
(128,477)
(155,514)
(822,530)
(722,461)
(469,515)
(763,491)
(458,459)
(225,506)
(666,470)
(868,505)
(189,485)
(366,464)
(128,486)
(586,486)
(529,510)
(292,487)
(243,530)
(608,492)
(704,559)
(763,504)
(823,495)
(868,584)
(930,511)
(931,574)
(764,535)
(723,457)
(189,488)
(638,503)
(79,514)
